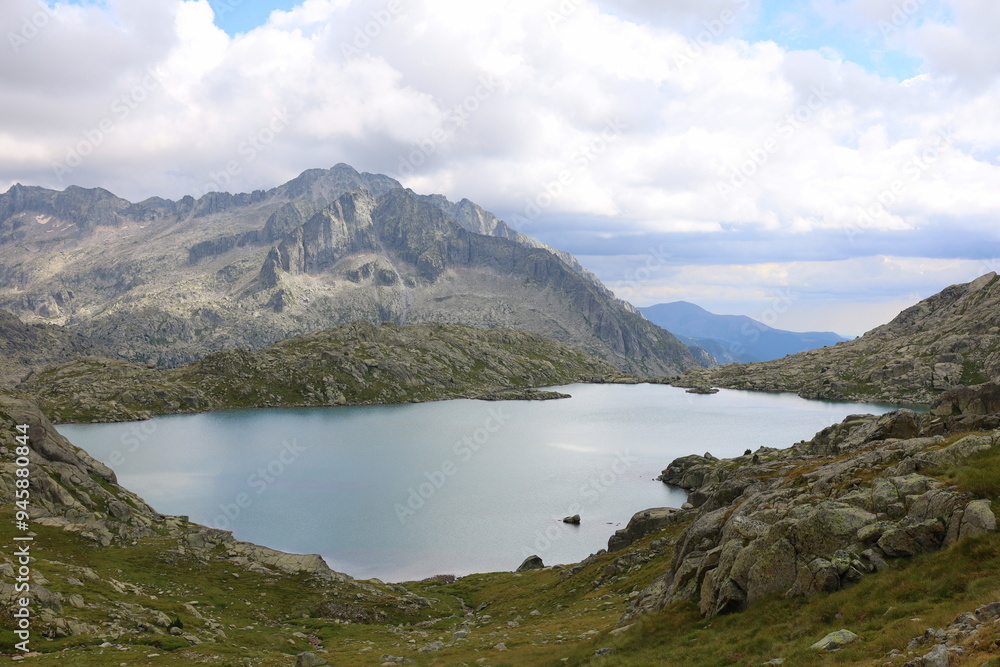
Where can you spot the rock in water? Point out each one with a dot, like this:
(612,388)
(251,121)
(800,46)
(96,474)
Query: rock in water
(531,563)
(835,640)
(575,519)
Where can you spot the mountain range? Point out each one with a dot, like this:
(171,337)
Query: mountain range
(167,282)
(733,338)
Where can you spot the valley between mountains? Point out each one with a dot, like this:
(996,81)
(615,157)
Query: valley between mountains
(873,542)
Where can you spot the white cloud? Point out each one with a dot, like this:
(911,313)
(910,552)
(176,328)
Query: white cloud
(867,292)
(496,101)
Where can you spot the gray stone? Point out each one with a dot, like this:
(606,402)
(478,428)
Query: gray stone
(308,659)
(910,540)
(531,563)
(937,657)
(432,647)
(835,640)
(977,519)
(988,612)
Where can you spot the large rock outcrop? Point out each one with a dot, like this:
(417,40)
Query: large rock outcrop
(820,515)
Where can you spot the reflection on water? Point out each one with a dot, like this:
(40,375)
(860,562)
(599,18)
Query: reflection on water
(409,491)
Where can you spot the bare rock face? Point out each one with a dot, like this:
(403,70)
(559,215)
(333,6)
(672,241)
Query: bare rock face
(818,516)
(176,281)
(982,399)
(69,488)
(645,522)
(948,340)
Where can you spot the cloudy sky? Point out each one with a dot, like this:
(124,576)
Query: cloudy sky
(818,163)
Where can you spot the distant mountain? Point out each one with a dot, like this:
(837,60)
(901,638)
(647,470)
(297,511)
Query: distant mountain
(732,338)
(707,351)
(947,340)
(168,282)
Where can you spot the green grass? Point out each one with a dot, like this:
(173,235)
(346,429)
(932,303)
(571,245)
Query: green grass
(934,588)
(972,373)
(979,474)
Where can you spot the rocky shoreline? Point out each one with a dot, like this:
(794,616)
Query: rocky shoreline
(820,515)
(948,340)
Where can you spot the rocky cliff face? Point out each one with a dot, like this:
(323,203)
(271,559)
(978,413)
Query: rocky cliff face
(168,282)
(948,340)
(822,514)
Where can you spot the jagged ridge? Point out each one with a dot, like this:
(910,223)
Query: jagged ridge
(168,282)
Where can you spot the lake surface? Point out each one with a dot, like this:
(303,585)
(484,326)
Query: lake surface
(405,492)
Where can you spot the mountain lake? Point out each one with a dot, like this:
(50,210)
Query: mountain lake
(404,492)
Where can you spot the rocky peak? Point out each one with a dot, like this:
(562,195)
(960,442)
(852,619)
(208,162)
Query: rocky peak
(244,258)
(320,187)
(342,228)
(951,304)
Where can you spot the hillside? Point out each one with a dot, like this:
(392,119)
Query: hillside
(947,340)
(168,282)
(356,364)
(732,338)
(24,347)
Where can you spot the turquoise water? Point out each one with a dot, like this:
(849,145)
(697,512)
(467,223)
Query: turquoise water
(405,492)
